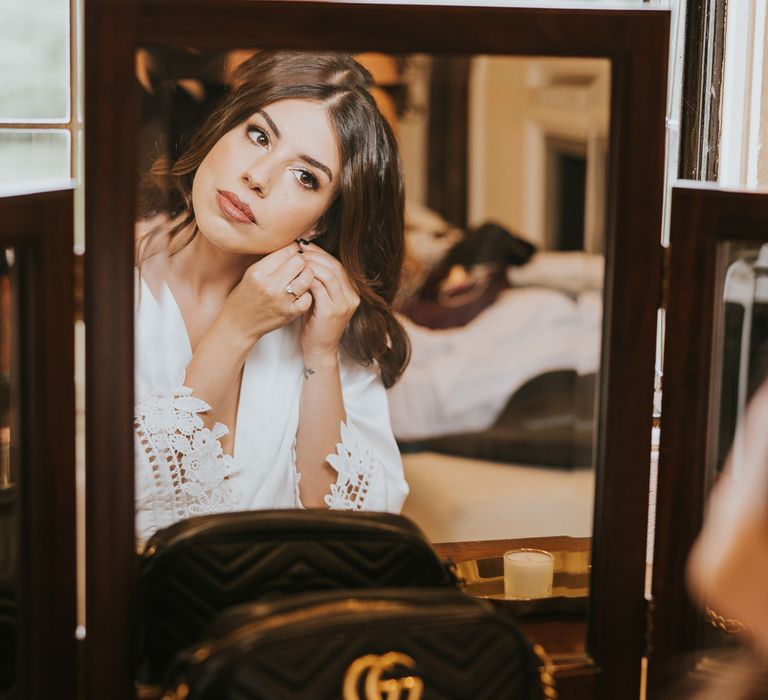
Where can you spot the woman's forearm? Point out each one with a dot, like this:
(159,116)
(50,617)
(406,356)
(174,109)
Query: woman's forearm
(728,565)
(216,365)
(257,305)
(321,415)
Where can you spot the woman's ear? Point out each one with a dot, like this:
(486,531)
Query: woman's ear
(313,233)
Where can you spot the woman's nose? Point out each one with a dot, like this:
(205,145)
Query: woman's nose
(258,177)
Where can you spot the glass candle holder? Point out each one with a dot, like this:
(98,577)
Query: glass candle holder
(528,573)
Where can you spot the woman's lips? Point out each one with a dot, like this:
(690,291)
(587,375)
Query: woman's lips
(234,208)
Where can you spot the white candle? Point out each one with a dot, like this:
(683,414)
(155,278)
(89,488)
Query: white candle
(528,573)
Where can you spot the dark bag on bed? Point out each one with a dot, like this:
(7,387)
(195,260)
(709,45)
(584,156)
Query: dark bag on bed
(197,567)
(371,645)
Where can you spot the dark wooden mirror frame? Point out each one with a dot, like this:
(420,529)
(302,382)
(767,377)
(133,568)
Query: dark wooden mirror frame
(39,227)
(636,42)
(703,218)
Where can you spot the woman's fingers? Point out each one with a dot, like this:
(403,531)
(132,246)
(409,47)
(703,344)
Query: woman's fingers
(320,294)
(301,283)
(333,275)
(330,283)
(302,303)
(270,263)
(322,257)
(288,271)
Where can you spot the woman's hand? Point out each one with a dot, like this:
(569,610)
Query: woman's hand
(335,301)
(273,292)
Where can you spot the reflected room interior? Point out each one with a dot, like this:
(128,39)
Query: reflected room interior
(504,161)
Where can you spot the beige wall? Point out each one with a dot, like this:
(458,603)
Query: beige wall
(516,105)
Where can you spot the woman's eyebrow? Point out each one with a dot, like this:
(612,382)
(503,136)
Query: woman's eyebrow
(319,165)
(270,123)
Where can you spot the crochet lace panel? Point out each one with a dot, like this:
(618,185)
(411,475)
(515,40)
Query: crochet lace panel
(356,466)
(191,475)
(296,478)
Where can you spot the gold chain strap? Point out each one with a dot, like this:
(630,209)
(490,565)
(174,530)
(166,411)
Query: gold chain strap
(729,625)
(546,673)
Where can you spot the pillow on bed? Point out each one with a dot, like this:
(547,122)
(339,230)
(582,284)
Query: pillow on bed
(571,272)
(548,422)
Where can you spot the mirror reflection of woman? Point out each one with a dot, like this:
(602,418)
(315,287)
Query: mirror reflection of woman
(264,334)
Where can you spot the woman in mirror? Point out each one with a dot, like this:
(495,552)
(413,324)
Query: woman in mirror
(267,260)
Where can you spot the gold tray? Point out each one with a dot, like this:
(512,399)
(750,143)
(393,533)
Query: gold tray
(484,578)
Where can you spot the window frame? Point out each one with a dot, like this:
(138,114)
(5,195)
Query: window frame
(74,124)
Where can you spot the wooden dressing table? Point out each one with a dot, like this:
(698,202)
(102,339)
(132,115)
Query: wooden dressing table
(563,635)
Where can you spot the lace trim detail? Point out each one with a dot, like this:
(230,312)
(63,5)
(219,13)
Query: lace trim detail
(357,466)
(296,478)
(185,457)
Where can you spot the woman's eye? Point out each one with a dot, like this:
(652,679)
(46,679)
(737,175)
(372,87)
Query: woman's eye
(258,136)
(306,179)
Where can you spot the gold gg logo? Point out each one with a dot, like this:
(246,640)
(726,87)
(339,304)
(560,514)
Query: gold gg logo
(369,669)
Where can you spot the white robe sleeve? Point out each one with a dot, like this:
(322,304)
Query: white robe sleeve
(180,467)
(181,470)
(367,459)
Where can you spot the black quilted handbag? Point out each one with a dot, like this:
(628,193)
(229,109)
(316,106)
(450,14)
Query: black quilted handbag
(377,644)
(197,567)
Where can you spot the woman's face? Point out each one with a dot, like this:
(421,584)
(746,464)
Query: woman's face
(266,182)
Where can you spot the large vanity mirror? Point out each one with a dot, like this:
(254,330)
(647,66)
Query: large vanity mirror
(532,142)
(504,162)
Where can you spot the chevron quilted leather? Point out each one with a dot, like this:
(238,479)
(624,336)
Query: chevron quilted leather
(303,649)
(198,567)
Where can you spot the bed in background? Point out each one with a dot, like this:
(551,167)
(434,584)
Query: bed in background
(495,417)
(458,499)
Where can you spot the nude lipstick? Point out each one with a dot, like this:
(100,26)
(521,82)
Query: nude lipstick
(234,208)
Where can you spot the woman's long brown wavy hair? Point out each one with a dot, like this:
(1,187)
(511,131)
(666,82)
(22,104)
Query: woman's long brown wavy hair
(363,226)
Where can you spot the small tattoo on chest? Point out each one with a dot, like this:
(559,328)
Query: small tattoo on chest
(307,372)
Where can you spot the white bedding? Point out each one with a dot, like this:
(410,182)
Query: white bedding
(459,379)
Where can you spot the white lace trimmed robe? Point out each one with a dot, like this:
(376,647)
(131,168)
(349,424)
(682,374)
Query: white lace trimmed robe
(180,468)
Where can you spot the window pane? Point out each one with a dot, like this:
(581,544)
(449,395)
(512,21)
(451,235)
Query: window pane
(39,156)
(34,61)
